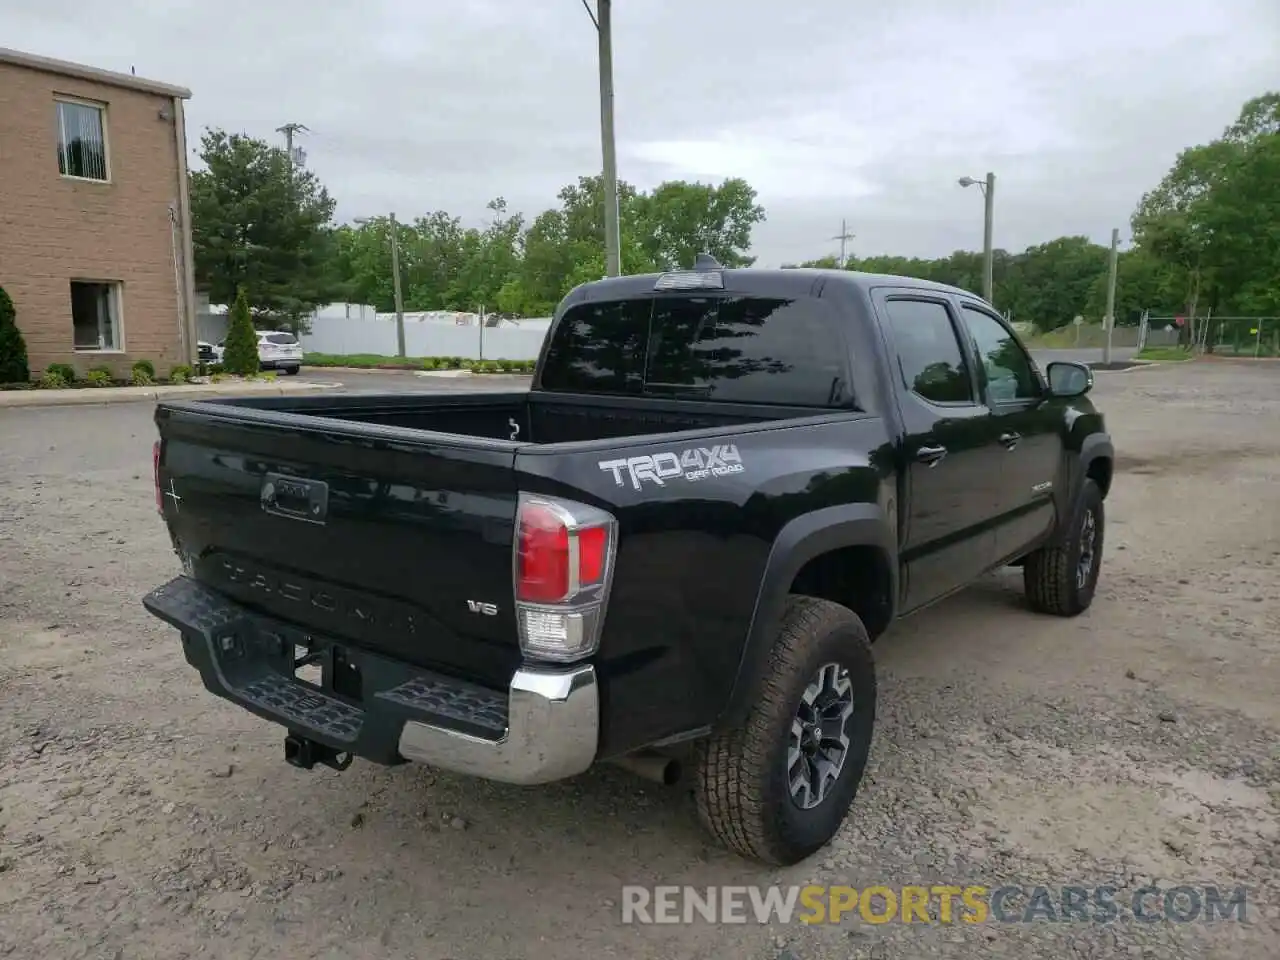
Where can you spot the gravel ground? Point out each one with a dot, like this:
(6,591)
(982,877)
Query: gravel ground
(142,817)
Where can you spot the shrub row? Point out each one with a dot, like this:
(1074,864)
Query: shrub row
(377,362)
(477,366)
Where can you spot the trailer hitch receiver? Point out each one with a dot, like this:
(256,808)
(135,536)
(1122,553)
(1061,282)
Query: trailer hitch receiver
(304,753)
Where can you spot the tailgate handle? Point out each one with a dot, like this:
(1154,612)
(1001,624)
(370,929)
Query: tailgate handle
(294,498)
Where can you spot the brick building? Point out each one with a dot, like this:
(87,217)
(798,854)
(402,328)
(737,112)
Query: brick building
(95,236)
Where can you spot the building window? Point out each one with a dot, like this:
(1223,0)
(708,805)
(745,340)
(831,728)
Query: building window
(95,315)
(82,140)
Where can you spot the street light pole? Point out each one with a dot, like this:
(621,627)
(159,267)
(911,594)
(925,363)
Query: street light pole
(603,20)
(988,250)
(988,188)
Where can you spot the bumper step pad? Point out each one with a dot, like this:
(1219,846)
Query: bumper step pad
(249,659)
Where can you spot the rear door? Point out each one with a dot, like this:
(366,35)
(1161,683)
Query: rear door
(1026,427)
(950,448)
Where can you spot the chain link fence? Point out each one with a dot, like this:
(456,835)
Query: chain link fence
(1227,336)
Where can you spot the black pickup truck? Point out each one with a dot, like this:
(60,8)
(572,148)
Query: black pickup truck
(675,547)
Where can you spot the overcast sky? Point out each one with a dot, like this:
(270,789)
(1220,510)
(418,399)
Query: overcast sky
(831,109)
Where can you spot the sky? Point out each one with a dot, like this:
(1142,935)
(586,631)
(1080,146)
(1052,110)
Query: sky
(833,110)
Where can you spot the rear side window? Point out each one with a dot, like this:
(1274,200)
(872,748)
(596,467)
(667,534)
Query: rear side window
(735,349)
(928,349)
(287,339)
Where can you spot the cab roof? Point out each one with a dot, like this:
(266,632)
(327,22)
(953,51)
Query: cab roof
(709,276)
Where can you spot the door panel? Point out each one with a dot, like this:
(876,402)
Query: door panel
(1026,425)
(947,452)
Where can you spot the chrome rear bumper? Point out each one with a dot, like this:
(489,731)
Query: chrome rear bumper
(553,728)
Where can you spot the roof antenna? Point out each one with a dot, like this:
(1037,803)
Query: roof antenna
(705,261)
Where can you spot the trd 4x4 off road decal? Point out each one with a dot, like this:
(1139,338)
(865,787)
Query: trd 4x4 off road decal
(696,463)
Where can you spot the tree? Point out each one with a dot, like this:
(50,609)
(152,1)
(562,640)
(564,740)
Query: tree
(262,224)
(240,354)
(1211,219)
(13,348)
(684,219)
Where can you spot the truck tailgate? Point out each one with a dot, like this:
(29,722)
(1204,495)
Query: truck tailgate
(409,554)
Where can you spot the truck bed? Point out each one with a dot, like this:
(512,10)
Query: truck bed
(389,513)
(541,418)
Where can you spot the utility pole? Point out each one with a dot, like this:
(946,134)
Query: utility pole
(1111,294)
(603,20)
(395,280)
(988,250)
(842,236)
(289,129)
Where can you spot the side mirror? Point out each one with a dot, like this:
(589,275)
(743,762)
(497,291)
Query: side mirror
(1067,378)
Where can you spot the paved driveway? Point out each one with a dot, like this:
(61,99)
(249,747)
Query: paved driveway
(1044,357)
(142,817)
(396,381)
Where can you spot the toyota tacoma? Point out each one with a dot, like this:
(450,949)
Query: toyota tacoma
(674,547)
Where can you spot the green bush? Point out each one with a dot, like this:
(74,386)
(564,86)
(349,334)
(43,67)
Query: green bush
(180,374)
(146,366)
(13,348)
(140,377)
(64,370)
(429,363)
(98,377)
(53,380)
(241,353)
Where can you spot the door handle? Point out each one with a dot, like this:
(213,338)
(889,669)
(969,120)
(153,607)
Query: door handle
(1009,440)
(931,456)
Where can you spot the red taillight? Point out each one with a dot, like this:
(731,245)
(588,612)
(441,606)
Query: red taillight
(542,574)
(155,475)
(593,547)
(563,565)
(548,538)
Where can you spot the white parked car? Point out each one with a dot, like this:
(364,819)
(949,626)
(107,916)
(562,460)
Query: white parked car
(277,350)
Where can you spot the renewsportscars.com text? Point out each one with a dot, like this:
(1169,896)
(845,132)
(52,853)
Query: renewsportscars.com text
(936,903)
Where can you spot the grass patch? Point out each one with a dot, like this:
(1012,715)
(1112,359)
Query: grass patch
(1164,354)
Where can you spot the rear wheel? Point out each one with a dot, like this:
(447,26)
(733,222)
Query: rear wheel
(778,788)
(1061,579)
(290,371)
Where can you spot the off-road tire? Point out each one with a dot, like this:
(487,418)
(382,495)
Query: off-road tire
(740,782)
(1049,576)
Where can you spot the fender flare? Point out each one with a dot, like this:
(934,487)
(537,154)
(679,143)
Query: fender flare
(1096,446)
(798,542)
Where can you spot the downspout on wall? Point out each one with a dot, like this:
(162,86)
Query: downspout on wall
(188,275)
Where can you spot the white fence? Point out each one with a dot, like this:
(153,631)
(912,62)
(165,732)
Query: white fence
(423,338)
(354,328)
